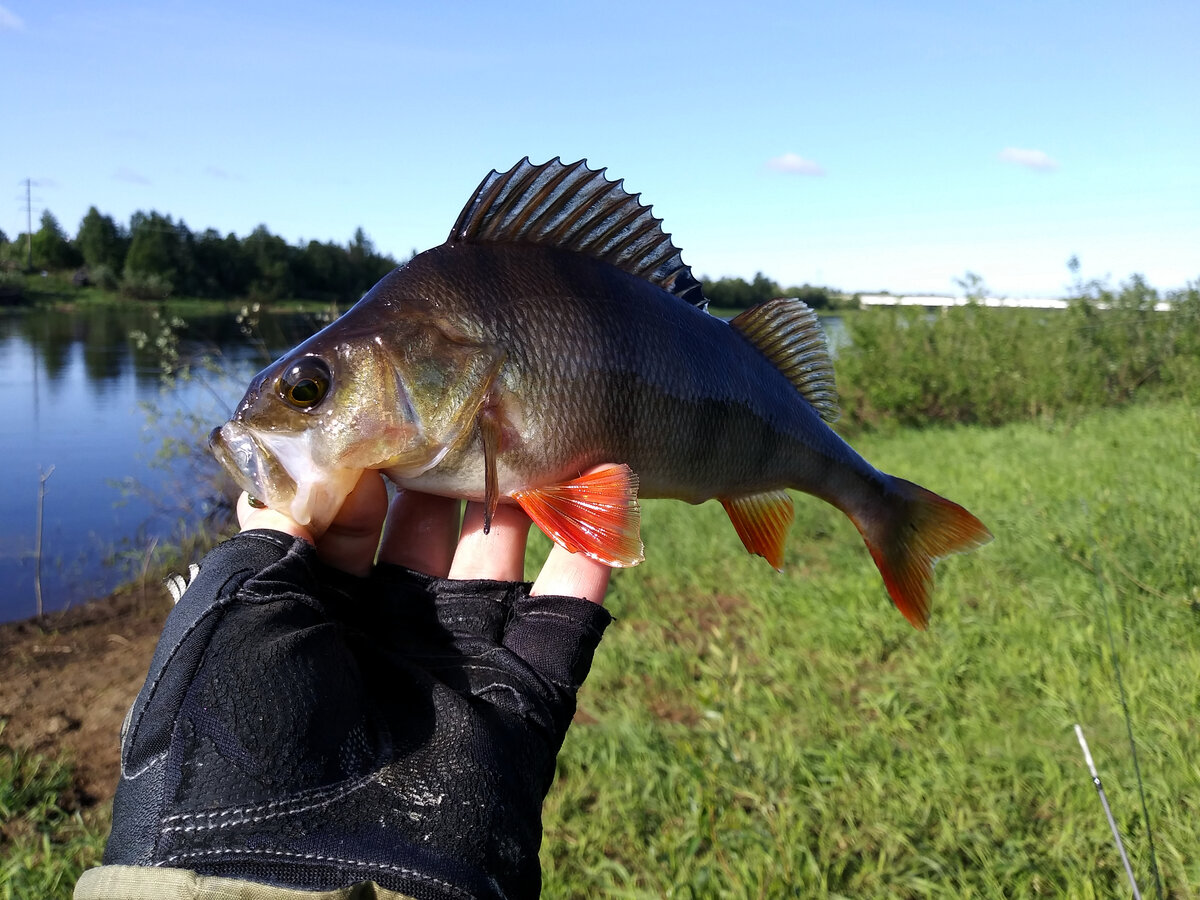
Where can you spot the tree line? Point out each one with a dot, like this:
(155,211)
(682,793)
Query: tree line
(737,293)
(154,257)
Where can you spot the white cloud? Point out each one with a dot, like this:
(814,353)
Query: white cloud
(794,165)
(130,177)
(10,21)
(1030,159)
(222,174)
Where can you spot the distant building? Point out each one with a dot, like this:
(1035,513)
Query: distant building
(935,300)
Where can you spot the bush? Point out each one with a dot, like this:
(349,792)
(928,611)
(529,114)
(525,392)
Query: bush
(976,364)
(146,287)
(104,278)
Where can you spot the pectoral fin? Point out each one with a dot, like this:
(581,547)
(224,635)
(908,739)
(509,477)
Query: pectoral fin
(762,522)
(596,514)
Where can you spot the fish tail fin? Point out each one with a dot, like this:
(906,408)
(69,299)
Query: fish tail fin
(910,531)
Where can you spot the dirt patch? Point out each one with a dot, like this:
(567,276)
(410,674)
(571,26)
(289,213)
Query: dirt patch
(668,707)
(67,681)
(721,611)
(721,617)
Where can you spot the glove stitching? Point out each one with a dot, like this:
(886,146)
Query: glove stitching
(531,676)
(503,671)
(265,811)
(561,617)
(316,857)
(456,665)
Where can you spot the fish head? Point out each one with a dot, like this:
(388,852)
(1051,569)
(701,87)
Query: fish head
(370,391)
(311,422)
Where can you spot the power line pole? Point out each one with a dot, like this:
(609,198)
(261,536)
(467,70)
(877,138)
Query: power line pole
(28,225)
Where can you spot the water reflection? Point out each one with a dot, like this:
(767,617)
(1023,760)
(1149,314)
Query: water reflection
(85,397)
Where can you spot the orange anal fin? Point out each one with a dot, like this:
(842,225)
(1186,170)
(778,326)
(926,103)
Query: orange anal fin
(762,522)
(913,531)
(596,514)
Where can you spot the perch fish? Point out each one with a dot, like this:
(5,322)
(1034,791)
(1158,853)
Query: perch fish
(558,329)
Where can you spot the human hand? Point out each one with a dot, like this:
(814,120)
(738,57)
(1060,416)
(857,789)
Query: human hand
(422,534)
(313,720)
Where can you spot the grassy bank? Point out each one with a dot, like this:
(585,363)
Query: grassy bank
(745,733)
(57,290)
(46,841)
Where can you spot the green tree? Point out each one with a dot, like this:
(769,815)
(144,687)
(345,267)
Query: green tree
(973,287)
(101,242)
(737,293)
(815,297)
(322,271)
(366,265)
(160,258)
(51,247)
(223,267)
(153,245)
(270,258)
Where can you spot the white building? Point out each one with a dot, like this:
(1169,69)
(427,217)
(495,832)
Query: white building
(946,300)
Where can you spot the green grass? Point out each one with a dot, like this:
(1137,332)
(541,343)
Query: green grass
(748,733)
(745,733)
(45,843)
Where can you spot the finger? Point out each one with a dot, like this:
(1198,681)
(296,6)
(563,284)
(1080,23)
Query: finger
(251,517)
(497,555)
(352,538)
(572,575)
(421,532)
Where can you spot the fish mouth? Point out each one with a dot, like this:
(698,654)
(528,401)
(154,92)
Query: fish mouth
(277,469)
(253,468)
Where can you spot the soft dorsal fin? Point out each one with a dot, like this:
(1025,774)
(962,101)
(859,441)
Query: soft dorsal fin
(572,207)
(789,334)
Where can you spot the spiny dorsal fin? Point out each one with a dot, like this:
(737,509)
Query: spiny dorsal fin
(789,334)
(575,208)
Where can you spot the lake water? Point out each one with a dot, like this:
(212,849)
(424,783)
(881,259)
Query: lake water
(86,402)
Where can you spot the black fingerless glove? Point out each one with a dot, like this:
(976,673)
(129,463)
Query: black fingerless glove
(303,728)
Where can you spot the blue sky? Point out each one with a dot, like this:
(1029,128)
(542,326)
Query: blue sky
(862,145)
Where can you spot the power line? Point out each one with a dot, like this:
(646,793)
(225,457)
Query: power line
(28,224)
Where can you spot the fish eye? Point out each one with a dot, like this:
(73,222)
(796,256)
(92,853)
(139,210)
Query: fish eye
(305,384)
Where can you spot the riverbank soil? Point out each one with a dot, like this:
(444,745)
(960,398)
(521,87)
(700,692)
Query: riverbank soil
(67,681)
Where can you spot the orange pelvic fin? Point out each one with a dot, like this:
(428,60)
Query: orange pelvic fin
(913,530)
(596,514)
(491,431)
(762,522)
